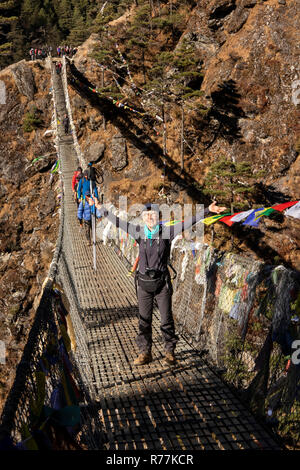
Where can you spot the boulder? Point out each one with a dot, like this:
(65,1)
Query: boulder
(248,3)
(238,19)
(95,152)
(218,9)
(24,79)
(47,205)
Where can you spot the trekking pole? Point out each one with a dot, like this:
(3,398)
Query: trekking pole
(93,217)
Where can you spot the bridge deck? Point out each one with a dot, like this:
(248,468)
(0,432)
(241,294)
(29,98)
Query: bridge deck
(155,406)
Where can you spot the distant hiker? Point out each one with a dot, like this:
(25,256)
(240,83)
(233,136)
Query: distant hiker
(84,186)
(58,67)
(66,123)
(35,53)
(58,51)
(75,181)
(84,214)
(153,278)
(31,52)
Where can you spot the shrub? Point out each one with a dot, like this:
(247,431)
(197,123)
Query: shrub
(31,120)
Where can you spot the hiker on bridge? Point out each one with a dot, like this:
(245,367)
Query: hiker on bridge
(85,186)
(77,175)
(66,123)
(153,278)
(58,67)
(84,214)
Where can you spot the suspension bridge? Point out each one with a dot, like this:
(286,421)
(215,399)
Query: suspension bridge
(183,407)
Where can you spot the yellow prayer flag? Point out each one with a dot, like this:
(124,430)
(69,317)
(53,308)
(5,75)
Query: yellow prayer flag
(213,218)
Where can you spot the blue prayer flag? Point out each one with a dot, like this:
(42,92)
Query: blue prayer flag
(251,218)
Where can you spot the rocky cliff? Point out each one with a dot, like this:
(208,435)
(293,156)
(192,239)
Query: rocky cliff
(28,205)
(250,101)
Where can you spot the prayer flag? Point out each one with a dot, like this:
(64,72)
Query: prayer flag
(228,219)
(252,220)
(285,205)
(172,222)
(294,211)
(266,211)
(213,219)
(241,215)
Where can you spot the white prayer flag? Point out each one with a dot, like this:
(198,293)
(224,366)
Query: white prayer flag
(241,216)
(293,211)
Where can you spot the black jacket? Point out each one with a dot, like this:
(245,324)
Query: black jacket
(154,253)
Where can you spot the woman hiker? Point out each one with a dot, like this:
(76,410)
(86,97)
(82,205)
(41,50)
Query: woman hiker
(153,278)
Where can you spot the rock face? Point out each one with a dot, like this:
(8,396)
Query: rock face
(24,79)
(258,65)
(139,167)
(118,159)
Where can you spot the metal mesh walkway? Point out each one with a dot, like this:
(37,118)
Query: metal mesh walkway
(184,407)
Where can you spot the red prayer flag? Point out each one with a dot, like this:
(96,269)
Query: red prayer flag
(285,205)
(227,219)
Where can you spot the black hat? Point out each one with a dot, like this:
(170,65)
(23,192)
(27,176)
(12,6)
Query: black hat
(151,207)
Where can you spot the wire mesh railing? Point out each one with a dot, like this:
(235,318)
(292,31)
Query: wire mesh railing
(243,316)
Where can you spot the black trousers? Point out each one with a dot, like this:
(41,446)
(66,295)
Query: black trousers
(164,302)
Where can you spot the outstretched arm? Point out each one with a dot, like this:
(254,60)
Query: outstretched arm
(131,229)
(190,221)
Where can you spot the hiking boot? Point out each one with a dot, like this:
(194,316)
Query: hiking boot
(170,358)
(143,358)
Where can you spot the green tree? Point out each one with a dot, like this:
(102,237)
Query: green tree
(159,82)
(139,35)
(8,20)
(231,181)
(187,71)
(65,16)
(79,32)
(29,14)
(32,120)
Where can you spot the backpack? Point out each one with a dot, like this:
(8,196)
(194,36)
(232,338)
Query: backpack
(92,175)
(78,177)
